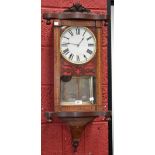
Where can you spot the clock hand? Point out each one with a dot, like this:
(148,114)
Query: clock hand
(73,44)
(80,42)
(69,43)
(65,43)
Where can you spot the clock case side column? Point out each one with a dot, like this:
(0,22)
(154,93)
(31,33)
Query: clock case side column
(99,106)
(57,68)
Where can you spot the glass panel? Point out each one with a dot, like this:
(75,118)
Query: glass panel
(78,90)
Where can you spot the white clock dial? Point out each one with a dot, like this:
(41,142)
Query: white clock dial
(78,45)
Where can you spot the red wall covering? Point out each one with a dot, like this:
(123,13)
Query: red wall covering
(56,138)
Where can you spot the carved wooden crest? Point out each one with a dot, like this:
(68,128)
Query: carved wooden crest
(76,11)
(77,7)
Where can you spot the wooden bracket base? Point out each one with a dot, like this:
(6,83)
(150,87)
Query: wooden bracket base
(77,122)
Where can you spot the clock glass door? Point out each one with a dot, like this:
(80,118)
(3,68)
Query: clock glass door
(78,90)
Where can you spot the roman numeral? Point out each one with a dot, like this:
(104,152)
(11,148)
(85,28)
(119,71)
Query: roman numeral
(89,51)
(85,57)
(89,38)
(71,56)
(66,51)
(90,45)
(66,38)
(71,33)
(84,32)
(77,31)
(77,58)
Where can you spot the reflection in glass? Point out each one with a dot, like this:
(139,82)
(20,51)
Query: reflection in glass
(78,90)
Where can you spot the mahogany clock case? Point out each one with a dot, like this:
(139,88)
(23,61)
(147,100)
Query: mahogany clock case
(63,67)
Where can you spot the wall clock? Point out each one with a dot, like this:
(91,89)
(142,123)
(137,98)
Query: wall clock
(78,68)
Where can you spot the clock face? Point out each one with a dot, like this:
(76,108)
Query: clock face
(78,45)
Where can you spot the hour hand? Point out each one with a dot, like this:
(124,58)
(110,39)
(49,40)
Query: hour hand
(73,44)
(64,44)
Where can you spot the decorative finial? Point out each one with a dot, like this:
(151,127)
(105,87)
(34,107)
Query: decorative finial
(77,7)
(75,145)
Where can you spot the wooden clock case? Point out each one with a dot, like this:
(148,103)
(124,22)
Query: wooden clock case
(77,116)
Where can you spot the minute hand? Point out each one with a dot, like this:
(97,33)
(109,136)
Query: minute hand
(80,42)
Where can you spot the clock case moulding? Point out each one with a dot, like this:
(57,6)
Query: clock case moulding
(77,15)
